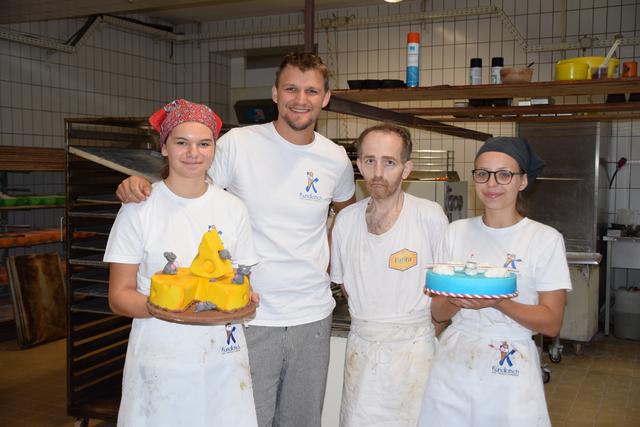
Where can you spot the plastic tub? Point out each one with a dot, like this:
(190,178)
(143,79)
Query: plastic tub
(594,62)
(626,314)
(572,71)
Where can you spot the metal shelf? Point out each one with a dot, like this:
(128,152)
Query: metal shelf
(89,261)
(95,290)
(91,276)
(94,305)
(515,90)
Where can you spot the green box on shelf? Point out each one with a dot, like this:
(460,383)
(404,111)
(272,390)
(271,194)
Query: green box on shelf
(8,201)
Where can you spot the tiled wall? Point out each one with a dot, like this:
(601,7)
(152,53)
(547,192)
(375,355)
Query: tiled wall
(123,73)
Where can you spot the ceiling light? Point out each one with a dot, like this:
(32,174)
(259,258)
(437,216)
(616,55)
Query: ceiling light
(393,1)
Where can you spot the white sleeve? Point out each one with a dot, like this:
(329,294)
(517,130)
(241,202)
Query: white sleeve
(346,186)
(126,240)
(335,269)
(245,251)
(438,225)
(222,168)
(552,270)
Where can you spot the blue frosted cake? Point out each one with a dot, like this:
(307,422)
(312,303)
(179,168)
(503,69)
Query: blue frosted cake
(471,281)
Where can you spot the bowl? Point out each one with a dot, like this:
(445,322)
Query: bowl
(355,84)
(572,71)
(392,83)
(516,75)
(594,62)
(372,84)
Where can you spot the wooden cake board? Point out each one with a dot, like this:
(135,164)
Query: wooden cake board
(208,317)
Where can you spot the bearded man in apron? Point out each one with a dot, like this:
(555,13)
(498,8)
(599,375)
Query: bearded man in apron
(487,370)
(380,249)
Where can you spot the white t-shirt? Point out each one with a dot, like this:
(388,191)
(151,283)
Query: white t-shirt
(534,249)
(165,222)
(287,189)
(384,274)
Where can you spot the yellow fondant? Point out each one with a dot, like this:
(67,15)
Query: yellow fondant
(203,281)
(208,263)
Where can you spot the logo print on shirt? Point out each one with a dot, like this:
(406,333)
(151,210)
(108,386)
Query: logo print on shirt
(506,362)
(511,261)
(310,189)
(403,260)
(311,182)
(232,346)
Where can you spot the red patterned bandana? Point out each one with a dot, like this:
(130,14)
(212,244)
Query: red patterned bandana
(180,111)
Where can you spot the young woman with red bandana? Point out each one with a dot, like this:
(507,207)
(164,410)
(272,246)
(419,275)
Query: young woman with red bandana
(177,374)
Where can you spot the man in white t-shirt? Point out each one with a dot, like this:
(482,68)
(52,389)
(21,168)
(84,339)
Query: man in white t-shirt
(379,251)
(288,176)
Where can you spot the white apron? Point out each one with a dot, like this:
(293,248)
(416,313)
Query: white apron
(482,380)
(186,375)
(386,369)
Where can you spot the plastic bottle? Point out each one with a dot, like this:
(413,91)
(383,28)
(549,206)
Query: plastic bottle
(496,65)
(413,59)
(475,71)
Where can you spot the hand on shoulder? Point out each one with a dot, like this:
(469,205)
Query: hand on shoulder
(134,189)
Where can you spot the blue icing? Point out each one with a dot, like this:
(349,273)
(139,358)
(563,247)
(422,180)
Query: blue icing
(461,283)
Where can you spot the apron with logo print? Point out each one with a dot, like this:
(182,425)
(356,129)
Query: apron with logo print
(386,369)
(491,380)
(186,375)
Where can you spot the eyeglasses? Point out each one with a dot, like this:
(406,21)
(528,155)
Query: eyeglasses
(502,177)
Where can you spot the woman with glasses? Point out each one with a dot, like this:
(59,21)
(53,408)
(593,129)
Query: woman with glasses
(486,371)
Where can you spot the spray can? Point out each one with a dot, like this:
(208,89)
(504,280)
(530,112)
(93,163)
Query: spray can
(413,59)
(475,71)
(496,65)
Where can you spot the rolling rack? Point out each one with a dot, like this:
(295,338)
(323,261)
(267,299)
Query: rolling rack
(100,153)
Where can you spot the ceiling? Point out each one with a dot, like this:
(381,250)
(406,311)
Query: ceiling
(171,11)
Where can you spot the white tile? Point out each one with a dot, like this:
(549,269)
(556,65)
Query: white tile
(436,57)
(484,30)
(599,20)
(613,19)
(546,6)
(460,56)
(629,15)
(448,33)
(573,23)
(634,198)
(622,198)
(533,26)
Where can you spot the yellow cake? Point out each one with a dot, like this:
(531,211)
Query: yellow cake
(208,279)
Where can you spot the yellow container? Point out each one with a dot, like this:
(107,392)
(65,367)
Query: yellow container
(594,62)
(572,71)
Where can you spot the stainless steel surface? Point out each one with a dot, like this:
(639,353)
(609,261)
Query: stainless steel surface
(588,258)
(571,194)
(622,252)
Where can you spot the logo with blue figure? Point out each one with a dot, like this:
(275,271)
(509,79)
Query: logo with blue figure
(311,189)
(311,182)
(506,361)
(231,345)
(511,261)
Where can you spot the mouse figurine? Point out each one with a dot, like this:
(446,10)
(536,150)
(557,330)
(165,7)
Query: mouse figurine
(241,272)
(170,267)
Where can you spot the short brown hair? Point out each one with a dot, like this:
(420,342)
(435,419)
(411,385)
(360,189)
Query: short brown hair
(304,61)
(403,133)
